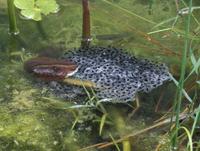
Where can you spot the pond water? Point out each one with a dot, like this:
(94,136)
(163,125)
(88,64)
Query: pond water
(34,119)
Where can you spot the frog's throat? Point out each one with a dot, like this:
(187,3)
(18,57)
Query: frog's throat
(79,82)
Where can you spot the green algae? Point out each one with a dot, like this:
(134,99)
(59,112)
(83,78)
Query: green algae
(32,119)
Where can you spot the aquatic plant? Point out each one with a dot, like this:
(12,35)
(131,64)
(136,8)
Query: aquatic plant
(177,106)
(30,9)
(12,18)
(34,9)
(62,125)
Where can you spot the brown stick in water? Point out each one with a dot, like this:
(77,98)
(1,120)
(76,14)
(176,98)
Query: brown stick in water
(86,37)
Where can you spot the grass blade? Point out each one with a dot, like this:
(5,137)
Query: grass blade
(103,120)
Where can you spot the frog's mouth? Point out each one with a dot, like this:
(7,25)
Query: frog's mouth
(50,69)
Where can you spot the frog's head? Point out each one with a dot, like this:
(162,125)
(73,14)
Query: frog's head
(50,69)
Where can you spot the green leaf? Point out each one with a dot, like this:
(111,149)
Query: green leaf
(193,59)
(197,65)
(195,68)
(184,92)
(103,120)
(47,6)
(114,142)
(33,9)
(24,4)
(34,14)
(189,137)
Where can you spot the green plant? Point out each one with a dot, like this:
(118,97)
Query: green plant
(12,18)
(178,102)
(34,9)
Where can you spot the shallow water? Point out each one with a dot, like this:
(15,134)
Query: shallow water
(34,119)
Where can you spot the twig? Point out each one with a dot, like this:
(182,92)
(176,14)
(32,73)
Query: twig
(182,116)
(92,146)
(159,100)
(107,144)
(86,37)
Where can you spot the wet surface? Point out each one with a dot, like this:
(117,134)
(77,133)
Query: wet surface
(34,118)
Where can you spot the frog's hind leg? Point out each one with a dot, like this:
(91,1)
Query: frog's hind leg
(137,102)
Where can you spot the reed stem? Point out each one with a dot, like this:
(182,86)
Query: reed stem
(86,37)
(41,30)
(13,30)
(181,80)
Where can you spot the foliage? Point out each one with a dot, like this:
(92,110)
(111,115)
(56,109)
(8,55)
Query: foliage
(33,9)
(30,121)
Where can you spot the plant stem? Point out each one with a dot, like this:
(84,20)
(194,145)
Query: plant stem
(86,37)
(126,145)
(150,6)
(41,30)
(13,30)
(181,80)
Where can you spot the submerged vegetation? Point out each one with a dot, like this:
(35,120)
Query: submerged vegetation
(32,118)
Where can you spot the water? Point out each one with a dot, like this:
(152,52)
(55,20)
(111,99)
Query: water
(33,119)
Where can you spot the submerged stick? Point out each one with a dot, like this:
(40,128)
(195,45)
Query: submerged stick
(86,37)
(182,116)
(162,123)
